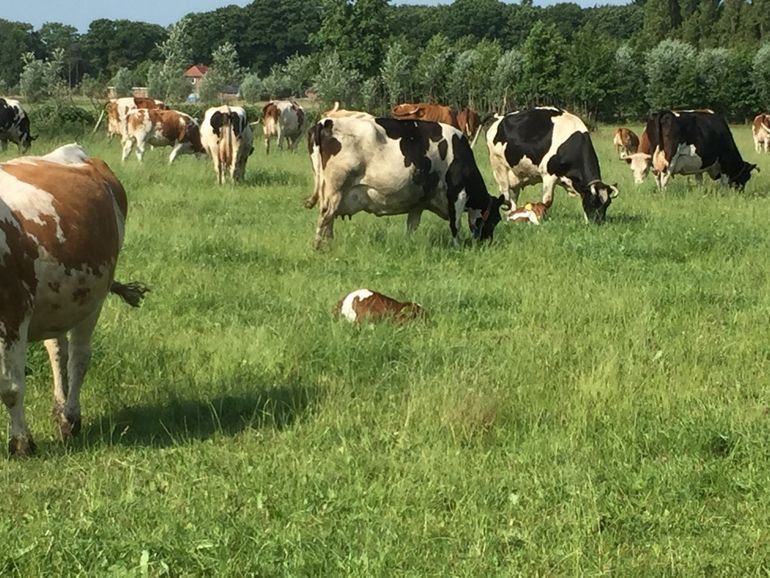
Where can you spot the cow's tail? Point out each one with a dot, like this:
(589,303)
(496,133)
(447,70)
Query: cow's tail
(314,144)
(132,293)
(226,145)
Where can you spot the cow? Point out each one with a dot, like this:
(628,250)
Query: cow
(760,130)
(387,166)
(469,122)
(282,119)
(551,146)
(626,142)
(426,111)
(534,213)
(227,138)
(367,305)
(117,110)
(14,125)
(161,128)
(62,219)
(690,142)
(337,112)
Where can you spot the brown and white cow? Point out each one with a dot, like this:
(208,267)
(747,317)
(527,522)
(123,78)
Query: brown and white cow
(337,112)
(760,130)
(117,110)
(282,119)
(227,138)
(467,120)
(161,128)
(367,305)
(62,218)
(14,125)
(626,142)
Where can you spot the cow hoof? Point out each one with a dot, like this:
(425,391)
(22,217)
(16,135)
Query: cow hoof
(68,425)
(309,203)
(21,447)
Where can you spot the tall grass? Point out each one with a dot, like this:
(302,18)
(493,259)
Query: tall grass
(580,400)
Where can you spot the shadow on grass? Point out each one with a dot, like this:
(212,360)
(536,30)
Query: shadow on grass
(260,177)
(180,421)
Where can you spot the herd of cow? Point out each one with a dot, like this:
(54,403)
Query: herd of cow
(62,215)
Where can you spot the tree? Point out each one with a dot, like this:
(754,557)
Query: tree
(16,39)
(760,76)
(55,35)
(476,18)
(224,72)
(122,82)
(671,75)
(166,81)
(506,77)
(251,88)
(541,75)
(628,69)
(334,81)
(592,85)
(658,21)
(111,44)
(433,67)
(396,74)
(42,78)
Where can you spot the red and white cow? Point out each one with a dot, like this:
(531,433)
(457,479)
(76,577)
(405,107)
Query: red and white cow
(282,119)
(367,305)
(760,130)
(161,128)
(14,125)
(227,138)
(62,218)
(117,110)
(626,142)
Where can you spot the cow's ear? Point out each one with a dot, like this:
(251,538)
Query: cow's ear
(754,168)
(614,192)
(593,190)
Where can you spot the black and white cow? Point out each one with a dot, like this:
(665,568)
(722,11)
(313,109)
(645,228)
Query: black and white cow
(551,146)
(691,142)
(14,125)
(387,166)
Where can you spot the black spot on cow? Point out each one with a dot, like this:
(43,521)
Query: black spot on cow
(443,148)
(321,136)
(528,135)
(221,119)
(414,138)
(576,159)
(6,115)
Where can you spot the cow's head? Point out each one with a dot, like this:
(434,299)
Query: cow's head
(410,110)
(483,223)
(640,164)
(26,141)
(597,200)
(742,177)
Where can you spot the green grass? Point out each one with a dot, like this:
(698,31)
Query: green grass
(581,400)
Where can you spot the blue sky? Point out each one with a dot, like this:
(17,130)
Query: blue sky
(80,13)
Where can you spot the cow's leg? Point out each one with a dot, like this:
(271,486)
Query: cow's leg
(500,172)
(58,355)
(175,152)
(549,182)
(326,214)
(12,382)
(79,359)
(699,179)
(3,145)
(128,144)
(267,145)
(140,148)
(413,221)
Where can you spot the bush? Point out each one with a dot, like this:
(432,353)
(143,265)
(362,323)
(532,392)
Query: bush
(62,120)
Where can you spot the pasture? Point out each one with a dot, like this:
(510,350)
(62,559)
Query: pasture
(580,400)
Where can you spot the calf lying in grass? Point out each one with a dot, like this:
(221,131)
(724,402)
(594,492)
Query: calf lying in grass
(529,213)
(364,304)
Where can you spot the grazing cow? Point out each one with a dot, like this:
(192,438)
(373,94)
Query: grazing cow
(363,304)
(161,128)
(117,110)
(551,146)
(690,142)
(282,119)
(639,162)
(530,213)
(760,130)
(426,111)
(227,138)
(62,220)
(386,166)
(626,142)
(14,125)
(469,122)
(338,112)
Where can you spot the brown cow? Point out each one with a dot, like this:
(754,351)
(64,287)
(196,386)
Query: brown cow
(117,110)
(426,111)
(162,128)
(62,218)
(364,304)
(626,142)
(760,130)
(470,123)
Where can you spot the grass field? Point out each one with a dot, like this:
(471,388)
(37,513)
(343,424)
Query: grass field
(581,400)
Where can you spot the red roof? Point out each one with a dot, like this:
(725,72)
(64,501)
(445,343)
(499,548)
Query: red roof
(196,71)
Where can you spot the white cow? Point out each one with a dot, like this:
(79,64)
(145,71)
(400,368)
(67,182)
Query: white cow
(282,119)
(227,138)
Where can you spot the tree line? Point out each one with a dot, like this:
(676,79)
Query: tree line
(606,62)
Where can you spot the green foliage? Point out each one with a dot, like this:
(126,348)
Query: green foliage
(112,44)
(166,81)
(16,40)
(760,74)
(543,53)
(507,76)
(592,84)
(291,78)
(251,88)
(396,73)
(434,65)
(61,120)
(42,79)
(224,73)
(122,82)
(335,82)
(671,75)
